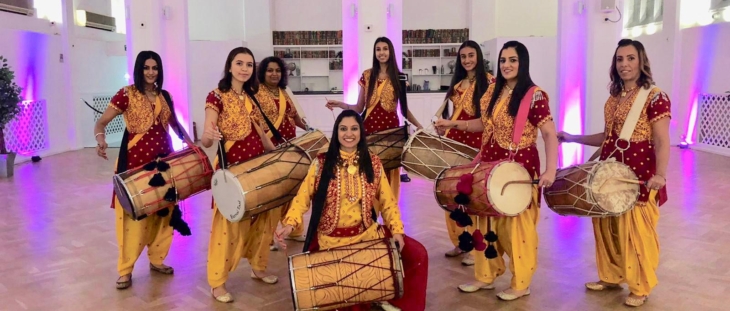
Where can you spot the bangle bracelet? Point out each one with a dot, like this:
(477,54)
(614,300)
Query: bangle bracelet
(467,126)
(97,135)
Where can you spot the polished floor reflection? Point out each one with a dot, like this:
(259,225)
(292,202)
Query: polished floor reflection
(58,248)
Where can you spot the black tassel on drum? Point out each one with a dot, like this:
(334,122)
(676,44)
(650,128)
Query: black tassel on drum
(157,181)
(171,195)
(178,224)
(150,166)
(163,212)
(491,238)
(466,242)
(162,166)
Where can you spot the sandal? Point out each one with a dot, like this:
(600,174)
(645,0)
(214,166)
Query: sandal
(225,298)
(599,286)
(124,284)
(164,270)
(454,252)
(509,297)
(635,302)
(471,288)
(269,279)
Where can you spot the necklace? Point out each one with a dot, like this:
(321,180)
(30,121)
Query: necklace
(349,163)
(472,79)
(509,89)
(240,95)
(274,91)
(624,92)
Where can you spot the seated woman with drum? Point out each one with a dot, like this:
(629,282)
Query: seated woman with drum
(627,248)
(513,109)
(147,111)
(349,188)
(468,85)
(229,121)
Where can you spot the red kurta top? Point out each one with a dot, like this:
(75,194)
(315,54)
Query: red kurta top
(640,155)
(462,103)
(499,127)
(236,125)
(383,115)
(138,112)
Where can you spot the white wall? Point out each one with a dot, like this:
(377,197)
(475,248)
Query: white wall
(291,15)
(217,20)
(435,14)
(524,18)
(103,7)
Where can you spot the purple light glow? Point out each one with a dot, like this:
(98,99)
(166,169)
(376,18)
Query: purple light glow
(350,39)
(572,51)
(702,73)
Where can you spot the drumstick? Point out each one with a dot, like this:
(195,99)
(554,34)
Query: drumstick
(631,181)
(526,182)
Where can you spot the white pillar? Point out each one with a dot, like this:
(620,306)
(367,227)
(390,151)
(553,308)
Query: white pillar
(71,93)
(161,26)
(258,22)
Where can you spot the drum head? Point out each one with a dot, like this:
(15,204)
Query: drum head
(614,195)
(516,197)
(122,194)
(228,195)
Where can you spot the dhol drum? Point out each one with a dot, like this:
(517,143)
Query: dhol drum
(267,181)
(593,189)
(338,277)
(426,154)
(500,188)
(388,145)
(189,173)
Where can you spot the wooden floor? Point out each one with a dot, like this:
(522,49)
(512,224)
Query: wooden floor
(58,248)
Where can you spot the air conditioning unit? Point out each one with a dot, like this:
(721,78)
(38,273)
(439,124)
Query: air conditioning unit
(24,7)
(93,20)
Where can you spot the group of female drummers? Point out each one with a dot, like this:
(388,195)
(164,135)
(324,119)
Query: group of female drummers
(348,188)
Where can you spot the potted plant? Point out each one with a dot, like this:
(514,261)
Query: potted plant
(9,108)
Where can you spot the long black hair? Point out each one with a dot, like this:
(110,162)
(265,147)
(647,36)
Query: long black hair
(393,71)
(460,73)
(524,82)
(264,65)
(330,165)
(251,86)
(645,78)
(139,80)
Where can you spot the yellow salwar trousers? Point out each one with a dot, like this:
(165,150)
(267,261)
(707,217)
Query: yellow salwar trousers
(393,177)
(517,237)
(627,247)
(455,231)
(153,232)
(231,241)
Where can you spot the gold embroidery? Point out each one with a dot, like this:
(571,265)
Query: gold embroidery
(139,115)
(266,99)
(234,121)
(499,128)
(368,193)
(616,114)
(387,98)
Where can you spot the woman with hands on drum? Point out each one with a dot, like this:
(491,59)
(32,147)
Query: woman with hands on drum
(378,98)
(347,188)
(230,120)
(517,236)
(627,248)
(468,85)
(147,111)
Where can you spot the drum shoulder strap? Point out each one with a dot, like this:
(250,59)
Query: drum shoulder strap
(632,119)
(522,113)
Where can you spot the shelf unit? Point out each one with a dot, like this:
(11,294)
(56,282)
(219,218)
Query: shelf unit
(318,67)
(424,62)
